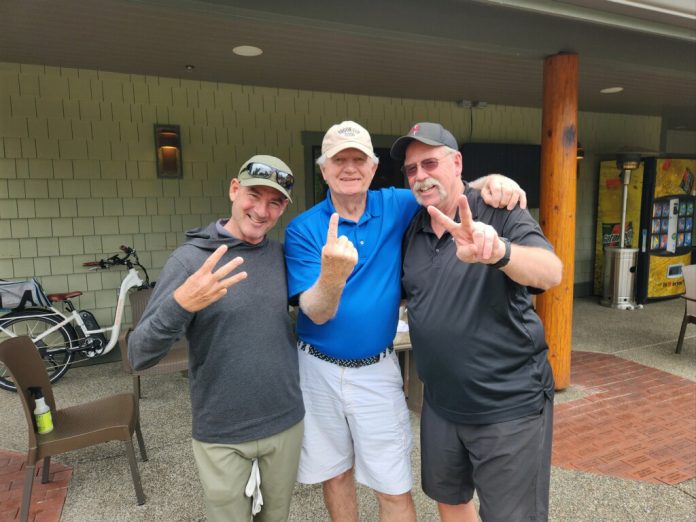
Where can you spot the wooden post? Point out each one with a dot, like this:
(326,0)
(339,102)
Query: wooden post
(557,203)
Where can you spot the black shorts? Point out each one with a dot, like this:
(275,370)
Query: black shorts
(508,463)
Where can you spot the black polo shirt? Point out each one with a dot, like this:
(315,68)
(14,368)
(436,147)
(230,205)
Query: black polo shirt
(479,345)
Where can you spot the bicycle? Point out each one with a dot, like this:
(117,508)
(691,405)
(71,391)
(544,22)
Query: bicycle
(59,336)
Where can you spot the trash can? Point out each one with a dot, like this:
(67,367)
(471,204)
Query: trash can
(618,288)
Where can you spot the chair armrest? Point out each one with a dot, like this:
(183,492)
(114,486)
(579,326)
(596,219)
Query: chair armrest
(123,346)
(176,360)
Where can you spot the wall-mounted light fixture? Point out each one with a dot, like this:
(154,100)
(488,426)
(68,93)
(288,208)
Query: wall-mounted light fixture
(580,155)
(168,151)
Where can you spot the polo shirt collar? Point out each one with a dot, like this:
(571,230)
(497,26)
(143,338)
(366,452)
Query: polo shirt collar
(373,206)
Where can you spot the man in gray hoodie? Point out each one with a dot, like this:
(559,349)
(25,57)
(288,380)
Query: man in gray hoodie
(245,396)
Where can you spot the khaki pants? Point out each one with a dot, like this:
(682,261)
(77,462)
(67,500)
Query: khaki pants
(224,470)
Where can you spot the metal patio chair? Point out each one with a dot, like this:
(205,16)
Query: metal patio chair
(689,273)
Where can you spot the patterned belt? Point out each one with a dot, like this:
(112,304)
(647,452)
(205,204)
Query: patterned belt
(348,363)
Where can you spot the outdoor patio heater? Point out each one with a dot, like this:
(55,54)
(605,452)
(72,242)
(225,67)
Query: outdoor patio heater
(620,262)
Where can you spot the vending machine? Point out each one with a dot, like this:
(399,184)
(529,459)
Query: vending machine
(667,226)
(659,222)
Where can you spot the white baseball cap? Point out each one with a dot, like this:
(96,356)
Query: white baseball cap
(346,135)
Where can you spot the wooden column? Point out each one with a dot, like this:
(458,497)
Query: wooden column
(558,200)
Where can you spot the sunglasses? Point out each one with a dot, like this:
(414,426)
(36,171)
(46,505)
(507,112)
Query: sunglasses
(428,165)
(262,171)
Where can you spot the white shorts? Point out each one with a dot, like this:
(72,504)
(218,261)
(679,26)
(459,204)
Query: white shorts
(355,417)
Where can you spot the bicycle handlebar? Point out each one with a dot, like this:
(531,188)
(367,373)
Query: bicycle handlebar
(106,263)
(116,260)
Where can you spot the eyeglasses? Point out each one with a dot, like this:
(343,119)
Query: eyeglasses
(428,165)
(263,171)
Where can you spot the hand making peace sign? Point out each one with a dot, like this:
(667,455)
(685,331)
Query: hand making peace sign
(339,256)
(476,242)
(206,286)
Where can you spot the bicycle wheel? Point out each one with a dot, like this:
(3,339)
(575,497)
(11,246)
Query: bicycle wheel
(53,348)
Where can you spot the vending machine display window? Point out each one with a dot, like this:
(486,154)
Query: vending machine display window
(671,224)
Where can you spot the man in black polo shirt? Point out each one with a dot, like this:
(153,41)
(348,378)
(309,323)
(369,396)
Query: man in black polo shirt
(468,271)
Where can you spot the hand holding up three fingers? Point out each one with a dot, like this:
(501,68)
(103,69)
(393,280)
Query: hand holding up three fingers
(207,285)
(476,242)
(338,257)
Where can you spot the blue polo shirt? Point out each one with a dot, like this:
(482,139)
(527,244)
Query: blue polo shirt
(365,323)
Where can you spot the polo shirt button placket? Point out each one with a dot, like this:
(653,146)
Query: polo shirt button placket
(436,257)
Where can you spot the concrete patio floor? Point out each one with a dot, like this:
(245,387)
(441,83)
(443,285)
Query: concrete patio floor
(101,488)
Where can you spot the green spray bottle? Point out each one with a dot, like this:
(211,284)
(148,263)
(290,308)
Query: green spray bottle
(42,413)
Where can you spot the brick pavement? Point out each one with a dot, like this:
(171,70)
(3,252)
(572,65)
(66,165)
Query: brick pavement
(635,422)
(46,499)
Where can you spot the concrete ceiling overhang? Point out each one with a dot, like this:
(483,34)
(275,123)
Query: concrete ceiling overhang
(491,51)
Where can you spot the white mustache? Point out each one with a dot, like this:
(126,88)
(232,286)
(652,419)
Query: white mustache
(426,184)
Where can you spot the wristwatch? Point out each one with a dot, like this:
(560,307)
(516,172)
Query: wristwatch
(503,261)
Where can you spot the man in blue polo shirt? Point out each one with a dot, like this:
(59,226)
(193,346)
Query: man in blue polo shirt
(346,273)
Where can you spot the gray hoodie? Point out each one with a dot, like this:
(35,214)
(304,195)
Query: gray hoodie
(243,374)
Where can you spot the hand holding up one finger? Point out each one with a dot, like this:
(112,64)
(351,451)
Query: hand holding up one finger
(476,242)
(207,285)
(338,257)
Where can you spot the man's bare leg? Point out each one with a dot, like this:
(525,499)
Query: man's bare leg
(458,513)
(340,498)
(396,508)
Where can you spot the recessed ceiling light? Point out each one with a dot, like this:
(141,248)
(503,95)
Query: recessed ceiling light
(189,67)
(611,90)
(247,50)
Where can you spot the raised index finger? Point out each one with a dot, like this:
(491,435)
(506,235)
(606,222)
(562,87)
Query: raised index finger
(332,234)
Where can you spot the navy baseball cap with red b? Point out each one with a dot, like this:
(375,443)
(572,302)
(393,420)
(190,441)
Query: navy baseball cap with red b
(426,132)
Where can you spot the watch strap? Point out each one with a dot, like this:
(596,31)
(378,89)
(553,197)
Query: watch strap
(503,261)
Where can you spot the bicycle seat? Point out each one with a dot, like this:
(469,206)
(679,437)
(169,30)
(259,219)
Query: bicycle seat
(54,298)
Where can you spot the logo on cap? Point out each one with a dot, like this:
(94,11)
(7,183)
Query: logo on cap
(414,130)
(348,132)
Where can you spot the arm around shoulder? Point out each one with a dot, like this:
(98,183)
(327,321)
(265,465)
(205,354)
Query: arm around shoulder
(500,191)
